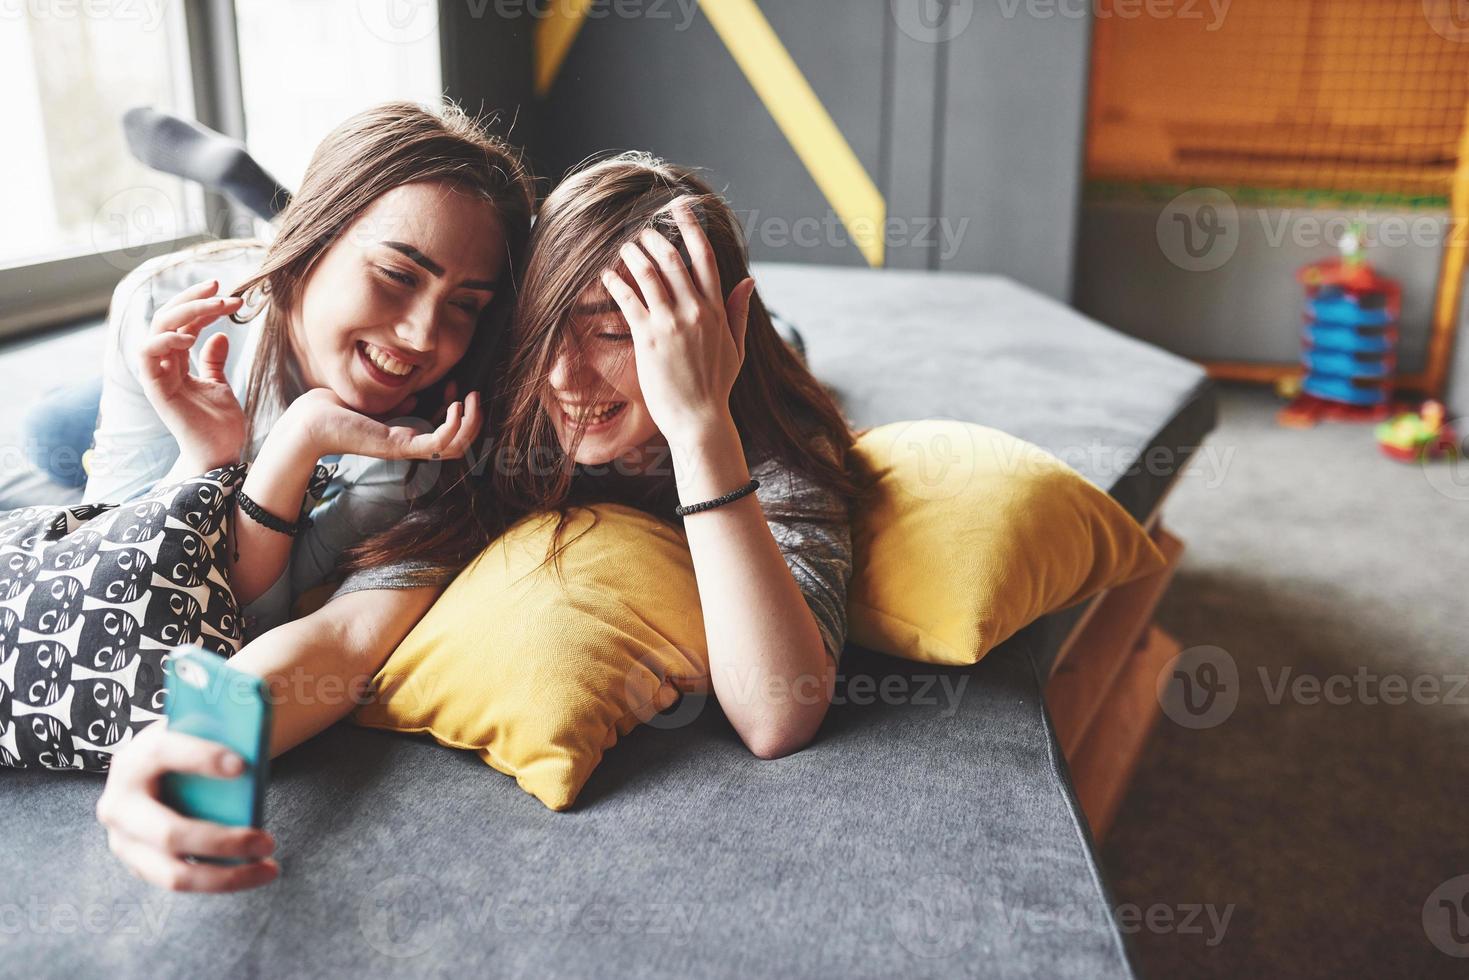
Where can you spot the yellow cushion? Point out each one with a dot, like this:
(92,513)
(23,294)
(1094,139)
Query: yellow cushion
(541,675)
(969,534)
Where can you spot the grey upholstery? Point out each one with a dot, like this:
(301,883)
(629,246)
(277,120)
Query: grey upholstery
(929,831)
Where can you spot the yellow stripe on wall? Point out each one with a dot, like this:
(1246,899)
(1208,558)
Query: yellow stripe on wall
(784,91)
(554,35)
(812,133)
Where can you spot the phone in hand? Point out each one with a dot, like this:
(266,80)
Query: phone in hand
(207,698)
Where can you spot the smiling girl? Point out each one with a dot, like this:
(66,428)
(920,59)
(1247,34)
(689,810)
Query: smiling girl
(382,293)
(644,361)
(384,274)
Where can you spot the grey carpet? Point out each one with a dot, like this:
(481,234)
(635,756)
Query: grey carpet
(1327,826)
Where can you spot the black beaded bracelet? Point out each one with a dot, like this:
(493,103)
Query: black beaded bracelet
(730,497)
(265,518)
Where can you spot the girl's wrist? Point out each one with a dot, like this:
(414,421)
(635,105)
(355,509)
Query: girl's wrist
(709,462)
(301,430)
(195,460)
(714,429)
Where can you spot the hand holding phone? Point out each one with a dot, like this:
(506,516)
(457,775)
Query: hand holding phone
(153,841)
(208,699)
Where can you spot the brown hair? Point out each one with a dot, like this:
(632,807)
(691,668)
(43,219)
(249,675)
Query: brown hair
(371,153)
(778,407)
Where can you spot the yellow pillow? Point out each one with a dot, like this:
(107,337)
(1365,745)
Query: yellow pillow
(540,674)
(969,534)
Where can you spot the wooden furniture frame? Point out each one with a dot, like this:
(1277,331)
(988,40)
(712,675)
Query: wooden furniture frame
(1102,692)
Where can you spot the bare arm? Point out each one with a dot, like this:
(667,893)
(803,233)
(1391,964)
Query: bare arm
(313,666)
(320,666)
(767,661)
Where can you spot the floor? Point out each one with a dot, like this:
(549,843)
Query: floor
(1307,829)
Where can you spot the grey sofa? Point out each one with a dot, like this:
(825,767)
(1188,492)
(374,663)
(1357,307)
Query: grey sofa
(931,831)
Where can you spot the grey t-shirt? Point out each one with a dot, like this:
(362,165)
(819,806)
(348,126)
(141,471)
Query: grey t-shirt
(816,540)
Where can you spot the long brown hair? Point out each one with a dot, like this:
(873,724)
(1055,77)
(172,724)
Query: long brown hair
(369,154)
(778,407)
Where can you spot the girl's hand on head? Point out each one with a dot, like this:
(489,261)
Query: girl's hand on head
(688,340)
(152,839)
(200,410)
(331,427)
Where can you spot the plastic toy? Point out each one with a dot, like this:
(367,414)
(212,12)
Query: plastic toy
(1349,341)
(1411,437)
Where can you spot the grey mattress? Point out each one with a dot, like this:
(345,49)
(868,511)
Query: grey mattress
(928,832)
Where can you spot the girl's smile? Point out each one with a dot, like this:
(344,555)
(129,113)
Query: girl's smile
(385,366)
(592,418)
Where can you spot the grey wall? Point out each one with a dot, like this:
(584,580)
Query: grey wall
(1249,308)
(975,139)
(1013,144)
(486,61)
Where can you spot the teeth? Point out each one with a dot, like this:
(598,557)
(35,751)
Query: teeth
(386,361)
(594,413)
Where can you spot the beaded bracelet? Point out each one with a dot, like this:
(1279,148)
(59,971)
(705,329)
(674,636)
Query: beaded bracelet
(730,497)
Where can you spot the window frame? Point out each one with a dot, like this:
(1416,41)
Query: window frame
(52,293)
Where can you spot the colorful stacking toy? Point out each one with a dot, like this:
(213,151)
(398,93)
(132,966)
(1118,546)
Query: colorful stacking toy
(1349,343)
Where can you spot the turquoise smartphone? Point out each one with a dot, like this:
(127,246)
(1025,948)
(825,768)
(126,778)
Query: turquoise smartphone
(207,698)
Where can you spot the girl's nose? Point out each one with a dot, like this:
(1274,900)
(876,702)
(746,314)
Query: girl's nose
(566,371)
(418,329)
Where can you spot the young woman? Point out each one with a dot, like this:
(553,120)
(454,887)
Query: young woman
(656,378)
(381,278)
(381,293)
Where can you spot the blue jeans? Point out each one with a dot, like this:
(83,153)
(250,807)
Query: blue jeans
(58,430)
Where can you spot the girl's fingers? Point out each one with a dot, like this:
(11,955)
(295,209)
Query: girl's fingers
(175,874)
(147,821)
(469,429)
(194,315)
(197,291)
(212,357)
(163,344)
(404,442)
(737,311)
(177,752)
(162,356)
(627,301)
(647,278)
(701,254)
(670,264)
(438,443)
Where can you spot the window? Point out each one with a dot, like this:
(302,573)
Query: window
(71,187)
(305,72)
(80,211)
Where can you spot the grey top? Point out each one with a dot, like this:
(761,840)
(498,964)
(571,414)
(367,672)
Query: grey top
(816,542)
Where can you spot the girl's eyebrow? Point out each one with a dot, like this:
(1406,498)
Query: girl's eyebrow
(436,270)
